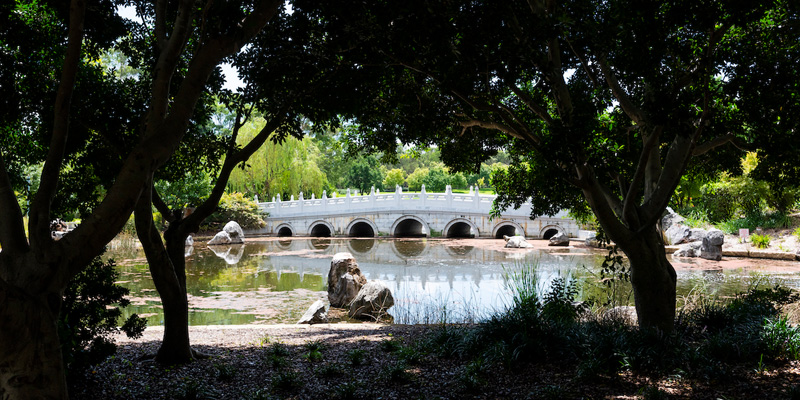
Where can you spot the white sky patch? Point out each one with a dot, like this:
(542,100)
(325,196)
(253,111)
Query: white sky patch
(232,80)
(128,12)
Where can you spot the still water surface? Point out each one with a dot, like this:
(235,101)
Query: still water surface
(433,280)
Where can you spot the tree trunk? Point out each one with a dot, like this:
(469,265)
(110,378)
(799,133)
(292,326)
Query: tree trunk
(653,279)
(31,364)
(175,347)
(169,276)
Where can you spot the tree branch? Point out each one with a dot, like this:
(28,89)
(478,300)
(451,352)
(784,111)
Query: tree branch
(625,102)
(232,159)
(12,228)
(638,177)
(530,103)
(720,141)
(168,58)
(39,224)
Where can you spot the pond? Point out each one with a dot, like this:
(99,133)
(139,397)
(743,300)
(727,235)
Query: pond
(274,280)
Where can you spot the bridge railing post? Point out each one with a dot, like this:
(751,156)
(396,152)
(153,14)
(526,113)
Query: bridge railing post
(448,195)
(476,201)
(300,202)
(423,195)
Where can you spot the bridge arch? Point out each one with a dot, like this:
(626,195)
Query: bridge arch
(507,228)
(320,228)
(460,228)
(361,227)
(550,230)
(410,226)
(284,230)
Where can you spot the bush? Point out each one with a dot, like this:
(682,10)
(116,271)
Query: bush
(773,220)
(87,319)
(760,241)
(236,207)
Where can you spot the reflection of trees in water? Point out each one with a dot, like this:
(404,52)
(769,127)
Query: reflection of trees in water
(287,281)
(361,246)
(320,244)
(409,248)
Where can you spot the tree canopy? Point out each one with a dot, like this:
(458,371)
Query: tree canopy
(602,104)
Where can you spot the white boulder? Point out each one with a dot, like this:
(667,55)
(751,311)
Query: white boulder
(372,300)
(514,242)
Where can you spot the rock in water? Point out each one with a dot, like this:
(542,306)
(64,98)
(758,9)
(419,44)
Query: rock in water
(688,250)
(514,242)
(220,238)
(344,280)
(712,245)
(559,239)
(235,231)
(372,300)
(316,314)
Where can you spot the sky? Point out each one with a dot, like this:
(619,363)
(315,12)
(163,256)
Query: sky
(232,80)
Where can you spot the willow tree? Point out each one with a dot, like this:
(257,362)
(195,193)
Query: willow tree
(600,103)
(34,268)
(279,169)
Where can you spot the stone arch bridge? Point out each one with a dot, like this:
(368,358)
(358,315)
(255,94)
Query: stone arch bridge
(404,214)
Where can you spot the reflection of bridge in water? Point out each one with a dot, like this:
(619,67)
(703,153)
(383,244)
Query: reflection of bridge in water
(403,214)
(402,261)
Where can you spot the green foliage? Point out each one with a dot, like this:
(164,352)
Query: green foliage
(760,241)
(707,337)
(279,169)
(365,173)
(781,339)
(397,372)
(394,177)
(390,345)
(436,180)
(286,381)
(329,370)
(773,220)
(417,178)
(188,191)
(356,356)
(236,207)
(225,372)
(88,318)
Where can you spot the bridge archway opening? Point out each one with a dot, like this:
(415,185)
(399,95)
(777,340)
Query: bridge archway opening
(505,230)
(285,231)
(549,233)
(361,229)
(409,228)
(460,230)
(320,230)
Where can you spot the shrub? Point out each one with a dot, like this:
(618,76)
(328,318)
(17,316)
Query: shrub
(760,241)
(88,320)
(236,207)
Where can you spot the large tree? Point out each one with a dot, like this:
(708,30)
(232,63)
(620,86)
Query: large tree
(602,104)
(34,269)
(294,83)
